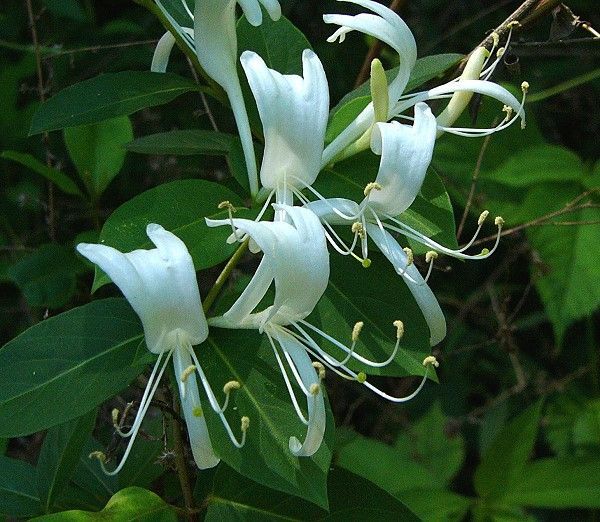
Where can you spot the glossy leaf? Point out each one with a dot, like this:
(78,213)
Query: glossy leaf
(187,142)
(98,152)
(246,356)
(509,452)
(107,96)
(47,276)
(59,457)
(61,180)
(350,498)
(180,207)
(126,505)
(74,356)
(18,494)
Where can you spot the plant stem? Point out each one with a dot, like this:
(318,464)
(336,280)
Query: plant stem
(181,465)
(224,275)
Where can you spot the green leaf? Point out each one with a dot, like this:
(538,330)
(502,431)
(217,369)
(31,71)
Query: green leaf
(64,366)
(180,207)
(47,277)
(568,285)
(350,498)
(558,484)
(59,457)
(187,142)
(61,180)
(107,96)
(353,103)
(509,453)
(247,357)
(18,493)
(98,152)
(127,505)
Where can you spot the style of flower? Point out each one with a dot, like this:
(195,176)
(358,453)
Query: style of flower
(160,284)
(387,26)
(214,40)
(296,260)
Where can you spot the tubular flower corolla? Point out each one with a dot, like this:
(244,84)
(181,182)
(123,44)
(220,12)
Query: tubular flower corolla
(214,40)
(296,260)
(160,284)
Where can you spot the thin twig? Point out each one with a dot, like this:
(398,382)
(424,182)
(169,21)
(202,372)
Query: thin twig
(42,96)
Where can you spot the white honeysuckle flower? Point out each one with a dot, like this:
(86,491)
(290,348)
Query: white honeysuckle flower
(160,284)
(294,111)
(406,153)
(214,41)
(388,27)
(296,260)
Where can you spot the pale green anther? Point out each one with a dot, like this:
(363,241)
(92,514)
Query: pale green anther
(459,101)
(379,91)
(361,377)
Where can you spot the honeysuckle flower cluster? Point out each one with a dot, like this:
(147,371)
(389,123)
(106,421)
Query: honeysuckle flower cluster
(400,128)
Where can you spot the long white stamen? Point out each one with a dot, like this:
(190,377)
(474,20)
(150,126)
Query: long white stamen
(187,9)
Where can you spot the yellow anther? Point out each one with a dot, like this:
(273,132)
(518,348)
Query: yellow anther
(431,360)
(371,187)
(366,263)
(358,228)
(484,251)
(482,217)
(97,455)
(356,330)
(115,417)
(410,257)
(499,221)
(500,52)
(379,91)
(320,369)
(197,412)
(315,389)
(514,23)
(525,87)
(226,205)
(495,38)
(245,423)
(230,386)
(187,372)
(361,377)
(431,256)
(399,329)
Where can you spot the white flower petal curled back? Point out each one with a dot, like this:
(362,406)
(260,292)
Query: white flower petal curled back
(216,48)
(160,284)
(294,111)
(296,260)
(388,27)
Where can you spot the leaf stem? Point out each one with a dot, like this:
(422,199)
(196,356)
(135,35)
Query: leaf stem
(224,276)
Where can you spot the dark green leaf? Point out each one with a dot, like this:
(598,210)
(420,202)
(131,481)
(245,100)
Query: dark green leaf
(107,96)
(59,456)
(184,143)
(509,453)
(247,357)
(61,180)
(64,366)
(558,483)
(98,152)
(18,494)
(127,505)
(47,277)
(180,207)
(350,498)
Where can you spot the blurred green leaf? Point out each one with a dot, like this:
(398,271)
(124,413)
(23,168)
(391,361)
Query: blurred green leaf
(98,151)
(72,355)
(107,96)
(247,357)
(61,180)
(59,456)
(558,483)
(18,492)
(180,207)
(47,277)
(186,142)
(350,498)
(508,453)
(126,505)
